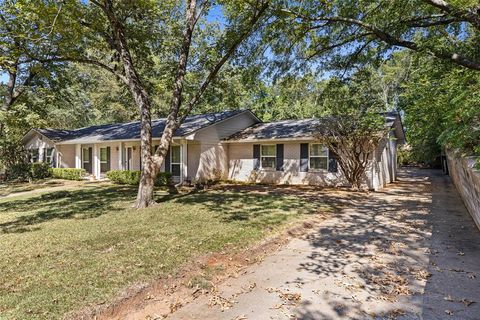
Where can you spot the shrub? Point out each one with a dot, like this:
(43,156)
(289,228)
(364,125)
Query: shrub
(24,171)
(68,173)
(132,177)
(39,170)
(124,176)
(18,171)
(164,179)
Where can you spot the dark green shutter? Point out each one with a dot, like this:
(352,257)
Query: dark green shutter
(167,161)
(108,164)
(279,157)
(44,156)
(332,161)
(303,157)
(256,156)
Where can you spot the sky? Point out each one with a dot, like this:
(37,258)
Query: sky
(3,78)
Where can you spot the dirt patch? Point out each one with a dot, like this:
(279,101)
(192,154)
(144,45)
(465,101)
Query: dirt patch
(166,295)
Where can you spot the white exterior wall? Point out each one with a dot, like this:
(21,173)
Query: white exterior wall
(212,160)
(241,168)
(67,155)
(37,141)
(383,169)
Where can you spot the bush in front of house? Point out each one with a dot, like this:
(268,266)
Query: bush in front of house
(132,177)
(39,170)
(18,171)
(24,171)
(67,173)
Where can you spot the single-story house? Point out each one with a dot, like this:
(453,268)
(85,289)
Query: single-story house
(231,145)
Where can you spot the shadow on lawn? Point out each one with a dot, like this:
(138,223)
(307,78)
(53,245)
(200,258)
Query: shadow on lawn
(77,204)
(245,204)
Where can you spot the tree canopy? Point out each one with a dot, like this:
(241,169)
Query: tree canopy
(62,65)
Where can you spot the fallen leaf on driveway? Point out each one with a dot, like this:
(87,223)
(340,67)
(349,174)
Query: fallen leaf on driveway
(450,313)
(467,302)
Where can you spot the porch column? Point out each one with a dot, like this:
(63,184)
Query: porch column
(120,156)
(78,156)
(96,162)
(184,171)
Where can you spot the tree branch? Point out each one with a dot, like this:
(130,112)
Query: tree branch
(467,15)
(214,71)
(394,41)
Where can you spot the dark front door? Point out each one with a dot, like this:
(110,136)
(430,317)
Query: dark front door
(104,159)
(87,159)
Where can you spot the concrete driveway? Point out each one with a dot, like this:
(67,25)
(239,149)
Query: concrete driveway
(410,251)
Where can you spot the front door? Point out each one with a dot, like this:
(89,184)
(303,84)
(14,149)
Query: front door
(128,158)
(87,159)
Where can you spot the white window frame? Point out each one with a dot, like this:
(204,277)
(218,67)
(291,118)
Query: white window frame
(49,158)
(106,154)
(175,163)
(311,156)
(37,158)
(268,156)
(83,155)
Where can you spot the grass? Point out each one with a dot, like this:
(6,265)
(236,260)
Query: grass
(63,250)
(16,187)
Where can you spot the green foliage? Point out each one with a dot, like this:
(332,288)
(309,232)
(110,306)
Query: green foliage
(132,177)
(68,173)
(23,171)
(18,171)
(39,170)
(441,109)
(341,35)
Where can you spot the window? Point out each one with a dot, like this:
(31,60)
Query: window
(175,160)
(34,155)
(85,155)
(103,155)
(49,155)
(268,156)
(318,157)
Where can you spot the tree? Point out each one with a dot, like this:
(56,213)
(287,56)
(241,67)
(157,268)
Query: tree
(441,104)
(118,25)
(355,126)
(342,33)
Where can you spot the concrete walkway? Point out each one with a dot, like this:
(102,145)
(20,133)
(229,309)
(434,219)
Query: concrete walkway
(410,251)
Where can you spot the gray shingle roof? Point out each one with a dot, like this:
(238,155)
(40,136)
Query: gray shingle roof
(290,129)
(131,130)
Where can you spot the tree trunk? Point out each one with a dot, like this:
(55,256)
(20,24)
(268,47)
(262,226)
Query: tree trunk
(151,165)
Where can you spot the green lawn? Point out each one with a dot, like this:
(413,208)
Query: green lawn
(60,251)
(13,187)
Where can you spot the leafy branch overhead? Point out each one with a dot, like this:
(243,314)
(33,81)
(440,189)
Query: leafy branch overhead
(345,32)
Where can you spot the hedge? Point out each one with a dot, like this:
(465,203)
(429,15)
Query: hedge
(28,171)
(68,173)
(132,177)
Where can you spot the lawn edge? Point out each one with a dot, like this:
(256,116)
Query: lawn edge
(168,294)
